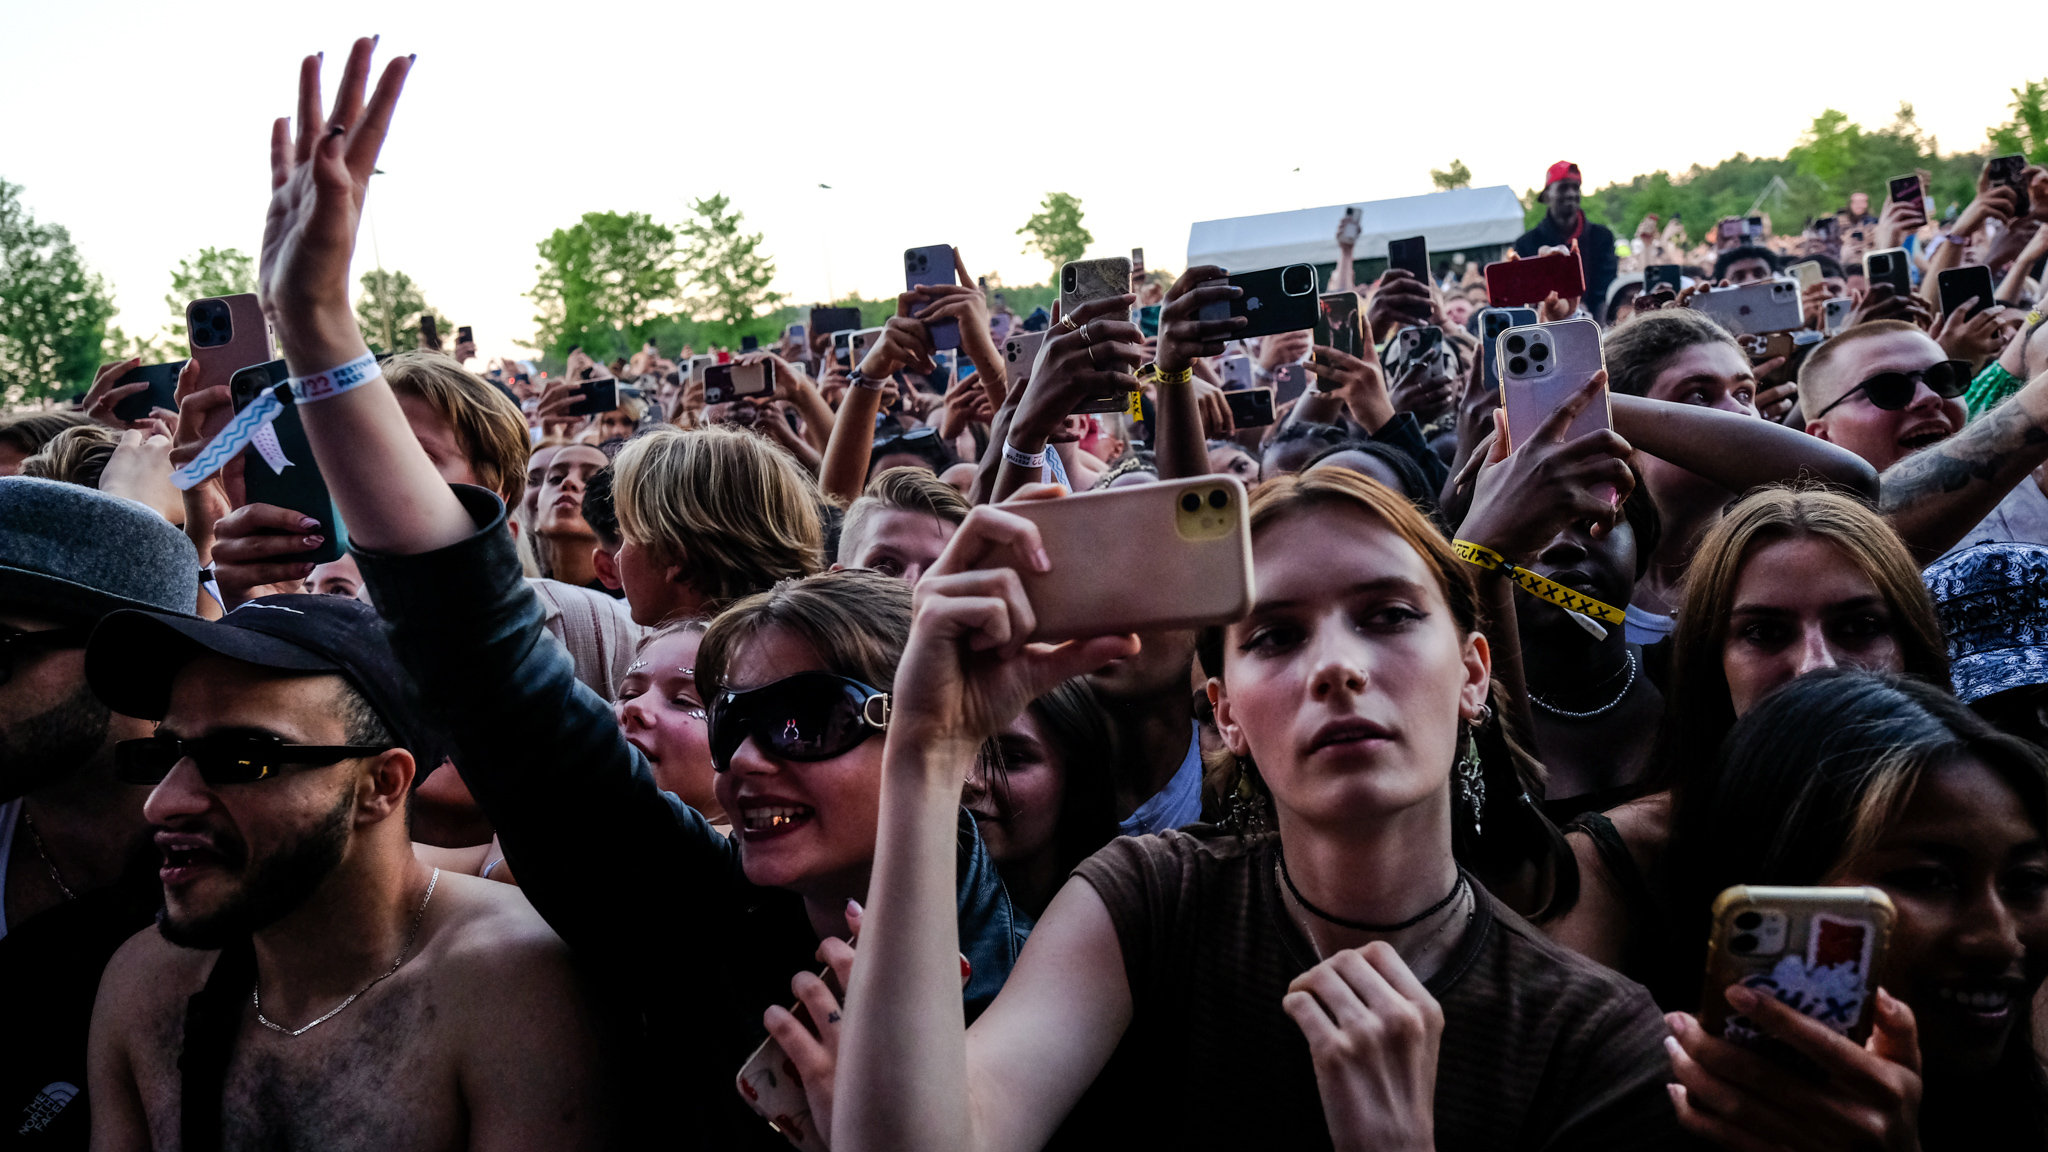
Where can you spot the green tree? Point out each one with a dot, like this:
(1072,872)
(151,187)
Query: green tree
(730,274)
(1456,176)
(146,348)
(1056,232)
(53,310)
(601,281)
(208,272)
(2027,131)
(389,312)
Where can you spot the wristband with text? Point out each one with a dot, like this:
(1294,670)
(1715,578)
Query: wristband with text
(1023,459)
(1180,377)
(1586,611)
(335,381)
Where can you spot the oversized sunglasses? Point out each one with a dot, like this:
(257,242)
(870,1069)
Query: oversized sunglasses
(1892,391)
(228,758)
(806,717)
(18,646)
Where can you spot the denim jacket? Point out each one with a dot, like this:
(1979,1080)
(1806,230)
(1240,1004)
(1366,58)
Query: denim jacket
(651,899)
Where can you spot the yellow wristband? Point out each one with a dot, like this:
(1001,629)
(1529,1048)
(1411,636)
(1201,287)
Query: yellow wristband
(1570,599)
(1180,377)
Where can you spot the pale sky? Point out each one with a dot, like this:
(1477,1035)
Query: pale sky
(143,127)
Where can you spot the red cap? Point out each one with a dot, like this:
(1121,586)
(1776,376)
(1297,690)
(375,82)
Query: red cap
(1562,170)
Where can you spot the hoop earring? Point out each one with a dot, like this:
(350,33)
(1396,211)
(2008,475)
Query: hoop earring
(1471,778)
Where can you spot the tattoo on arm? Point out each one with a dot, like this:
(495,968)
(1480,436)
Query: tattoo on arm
(1979,453)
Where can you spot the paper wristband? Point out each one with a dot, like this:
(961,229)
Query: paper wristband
(252,424)
(1569,599)
(1023,459)
(335,381)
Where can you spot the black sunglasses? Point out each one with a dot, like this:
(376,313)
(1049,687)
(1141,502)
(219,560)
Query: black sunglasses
(18,646)
(229,758)
(806,717)
(1892,391)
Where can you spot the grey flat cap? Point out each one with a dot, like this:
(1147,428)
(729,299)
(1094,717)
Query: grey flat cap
(78,552)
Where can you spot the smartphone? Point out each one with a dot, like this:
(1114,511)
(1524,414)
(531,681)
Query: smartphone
(1086,280)
(599,395)
(299,487)
(1413,345)
(1290,381)
(1807,272)
(1020,353)
(1835,313)
(464,336)
(1001,324)
(1889,266)
(227,334)
(1663,276)
(1753,228)
(1340,322)
(2011,171)
(858,343)
(1148,319)
(1411,256)
(1827,228)
(1137,261)
(1281,299)
(1907,188)
(161,393)
(1818,950)
(842,347)
(724,383)
(834,319)
(1960,284)
(430,335)
(1514,282)
(1753,309)
(933,264)
(1237,373)
(697,366)
(1190,538)
(794,334)
(1731,229)
(1250,407)
(750,343)
(1542,366)
(1493,322)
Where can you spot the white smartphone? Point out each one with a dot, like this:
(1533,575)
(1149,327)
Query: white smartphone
(1542,366)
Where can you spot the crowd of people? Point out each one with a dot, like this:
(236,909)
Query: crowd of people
(687,774)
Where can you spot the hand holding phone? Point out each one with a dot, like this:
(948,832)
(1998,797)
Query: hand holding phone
(128,391)
(1270,300)
(932,264)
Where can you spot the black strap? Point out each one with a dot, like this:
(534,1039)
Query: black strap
(213,1017)
(1621,865)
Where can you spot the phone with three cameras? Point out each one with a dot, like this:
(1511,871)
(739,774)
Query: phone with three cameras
(1753,309)
(226,335)
(1890,266)
(1544,365)
(1493,322)
(932,264)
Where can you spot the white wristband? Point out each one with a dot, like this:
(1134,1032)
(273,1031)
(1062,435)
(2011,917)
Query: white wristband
(1023,459)
(335,381)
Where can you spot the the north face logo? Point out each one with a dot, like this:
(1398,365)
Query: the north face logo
(44,1108)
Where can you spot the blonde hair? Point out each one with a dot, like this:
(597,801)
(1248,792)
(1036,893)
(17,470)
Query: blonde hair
(856,621)
(1814,372)
(77,455)
(488,425)
(736,512)
(905,489)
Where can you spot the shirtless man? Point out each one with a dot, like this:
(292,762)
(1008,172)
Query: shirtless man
(365,1000)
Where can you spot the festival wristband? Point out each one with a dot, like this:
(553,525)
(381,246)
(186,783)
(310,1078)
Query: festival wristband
(1023,459)
(335,381)
(1581,606)
(857,380)
(1180,377)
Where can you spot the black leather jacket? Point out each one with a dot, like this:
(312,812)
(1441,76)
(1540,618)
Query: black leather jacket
(651,899)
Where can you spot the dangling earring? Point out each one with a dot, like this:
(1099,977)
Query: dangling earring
(1471,777)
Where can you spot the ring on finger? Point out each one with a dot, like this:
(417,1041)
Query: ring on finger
(1067,322)
(1092,363)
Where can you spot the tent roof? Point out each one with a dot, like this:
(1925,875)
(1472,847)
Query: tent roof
(1454,220)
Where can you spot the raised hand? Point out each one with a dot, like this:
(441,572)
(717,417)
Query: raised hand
(104,394)
(1098,353)
(1523,498)
(1358,382)
(811,1041)
(319,172)
(1373,1032)
(1183,337)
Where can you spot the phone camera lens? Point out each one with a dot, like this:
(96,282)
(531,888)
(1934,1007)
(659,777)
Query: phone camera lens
(1743,944)
(1191,503)
(1517,366)
(1748,921)
(1539,353)
(1218,498)
(1516,344)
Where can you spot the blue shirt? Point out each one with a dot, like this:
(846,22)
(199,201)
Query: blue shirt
(1176,805)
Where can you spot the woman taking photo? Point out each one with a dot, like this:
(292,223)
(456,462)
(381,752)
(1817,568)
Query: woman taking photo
(1852,778)
(1343,981)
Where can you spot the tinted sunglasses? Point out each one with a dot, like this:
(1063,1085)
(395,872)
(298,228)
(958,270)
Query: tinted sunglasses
(1892,391)
(806,717)
(19,646)
(229,758)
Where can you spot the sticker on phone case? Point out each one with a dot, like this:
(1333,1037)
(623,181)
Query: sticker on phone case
(1829,984)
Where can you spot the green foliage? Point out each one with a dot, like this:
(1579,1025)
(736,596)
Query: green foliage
(1456,176)
(726,266)
(1056,232)
(2027,131)
(389,312)
(53,310)
(148,349)
(208,272)
(601,281)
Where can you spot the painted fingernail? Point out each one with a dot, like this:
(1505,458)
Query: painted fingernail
(1673,1048)
(314,541)
(375,38)
(411,58)
(1741,997)
(1041,560)
(853,908)
(307,523)
(1677,1092)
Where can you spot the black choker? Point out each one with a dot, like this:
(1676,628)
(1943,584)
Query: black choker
(1457,886)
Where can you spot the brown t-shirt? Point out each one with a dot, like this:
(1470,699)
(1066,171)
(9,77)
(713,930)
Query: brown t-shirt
(1541,1048)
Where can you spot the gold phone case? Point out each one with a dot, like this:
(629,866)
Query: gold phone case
(1819,950)
(1172,555)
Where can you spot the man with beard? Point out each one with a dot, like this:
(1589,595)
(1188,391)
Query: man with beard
(310,982)
(77,876)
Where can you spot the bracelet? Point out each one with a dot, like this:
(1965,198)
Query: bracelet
(1180,377)
(335,381)
(856,380)
(1582,608)
(1021,458)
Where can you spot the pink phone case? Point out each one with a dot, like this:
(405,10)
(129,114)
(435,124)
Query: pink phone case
(227,334)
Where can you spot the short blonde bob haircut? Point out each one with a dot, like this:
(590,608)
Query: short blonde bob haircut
(488,425)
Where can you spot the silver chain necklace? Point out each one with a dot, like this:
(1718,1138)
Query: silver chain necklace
(36,838)
(1610,706)
(256,994)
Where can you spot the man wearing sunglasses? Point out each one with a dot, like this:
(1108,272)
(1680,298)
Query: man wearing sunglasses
(77,873)
(1883,390)
(303,955)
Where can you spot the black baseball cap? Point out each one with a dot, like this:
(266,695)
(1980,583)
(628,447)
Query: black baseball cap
(133,657)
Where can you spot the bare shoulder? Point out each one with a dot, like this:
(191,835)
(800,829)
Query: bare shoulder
(150,973)
(490,939)
(1645,826)
(1596,926)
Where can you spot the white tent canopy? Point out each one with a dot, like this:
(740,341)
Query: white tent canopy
(1454,220)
